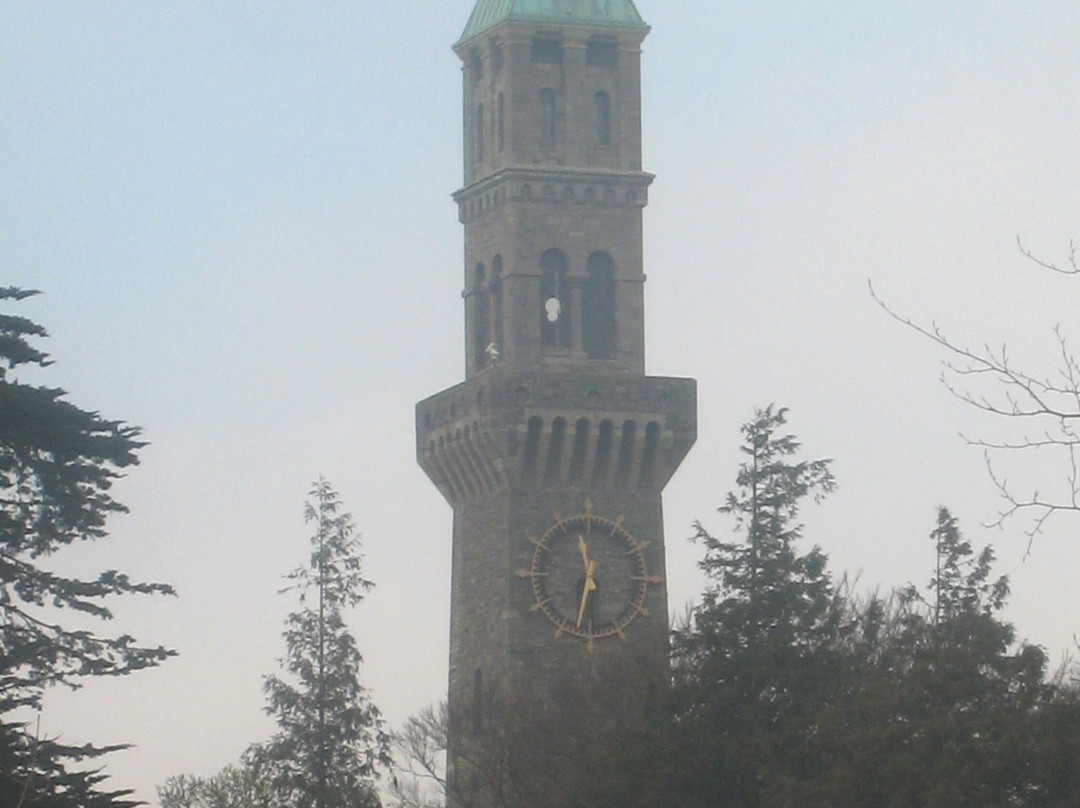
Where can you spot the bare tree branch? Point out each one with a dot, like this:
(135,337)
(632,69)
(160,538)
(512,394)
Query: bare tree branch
(987,379)
(1072,269)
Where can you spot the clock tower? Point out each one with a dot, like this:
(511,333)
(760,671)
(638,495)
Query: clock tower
(554,450)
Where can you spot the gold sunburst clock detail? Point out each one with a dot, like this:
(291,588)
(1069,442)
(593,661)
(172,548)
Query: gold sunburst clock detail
(589,576)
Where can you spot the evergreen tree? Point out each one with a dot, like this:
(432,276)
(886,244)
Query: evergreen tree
(58,464)
(947,708)
(760,651)
(330,742)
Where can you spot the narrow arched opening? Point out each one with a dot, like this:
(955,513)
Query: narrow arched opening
(481,318)
(554,300)
(602,103)
(598,307)
(547,118)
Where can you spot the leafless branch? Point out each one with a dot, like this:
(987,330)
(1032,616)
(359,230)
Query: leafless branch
(1072,269)
(988,380)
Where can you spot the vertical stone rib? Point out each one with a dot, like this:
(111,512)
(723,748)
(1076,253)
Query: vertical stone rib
(627,438)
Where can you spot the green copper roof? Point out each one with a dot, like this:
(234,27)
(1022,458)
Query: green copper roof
(609,13)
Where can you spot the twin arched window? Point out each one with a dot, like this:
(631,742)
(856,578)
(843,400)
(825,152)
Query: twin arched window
(601,118)
(597,304)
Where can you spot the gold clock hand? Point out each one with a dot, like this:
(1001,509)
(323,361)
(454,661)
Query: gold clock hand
(584,548)
(588,587)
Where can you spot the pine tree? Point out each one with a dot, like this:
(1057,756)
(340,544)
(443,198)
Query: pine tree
(58,464)
(761,648)
(330,742)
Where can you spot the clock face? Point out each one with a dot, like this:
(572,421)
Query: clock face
(589,576)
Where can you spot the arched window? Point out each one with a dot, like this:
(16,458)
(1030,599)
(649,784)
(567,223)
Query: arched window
(554,300)
(479,133)
(481,319)
(500,121)
(603,119)
(547,117)
(496,287)
(598,307)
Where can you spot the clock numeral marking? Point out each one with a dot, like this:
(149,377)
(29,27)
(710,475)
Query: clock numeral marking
(536,607)
(651,579)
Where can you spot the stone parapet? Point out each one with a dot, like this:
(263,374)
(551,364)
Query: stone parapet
(571,429)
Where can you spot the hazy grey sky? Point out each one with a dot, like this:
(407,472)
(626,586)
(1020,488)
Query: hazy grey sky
(239,212)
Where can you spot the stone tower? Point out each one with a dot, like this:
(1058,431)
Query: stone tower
(555,449)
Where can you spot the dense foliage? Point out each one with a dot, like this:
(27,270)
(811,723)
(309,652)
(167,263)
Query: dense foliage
(789,690)
(233,787)
(58,464)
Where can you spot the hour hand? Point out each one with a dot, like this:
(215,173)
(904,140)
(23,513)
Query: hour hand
(584,548)
(588,586)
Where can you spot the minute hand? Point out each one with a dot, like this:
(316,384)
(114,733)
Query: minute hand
(589,586)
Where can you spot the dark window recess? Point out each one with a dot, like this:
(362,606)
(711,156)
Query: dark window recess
(603,452)
(603,119)
(496,287)
(648,455)
(481,319)
(479,133)
(581,448)
(547,50)
(497,58)
(476,66)
(598,307)
(532,449)
(602,53)
(547,117)
(554,300)
(500,123)
(555,450)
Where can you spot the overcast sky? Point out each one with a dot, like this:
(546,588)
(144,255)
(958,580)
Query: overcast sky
(239,214)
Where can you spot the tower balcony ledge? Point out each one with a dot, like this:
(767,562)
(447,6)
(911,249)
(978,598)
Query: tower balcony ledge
(513,428)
